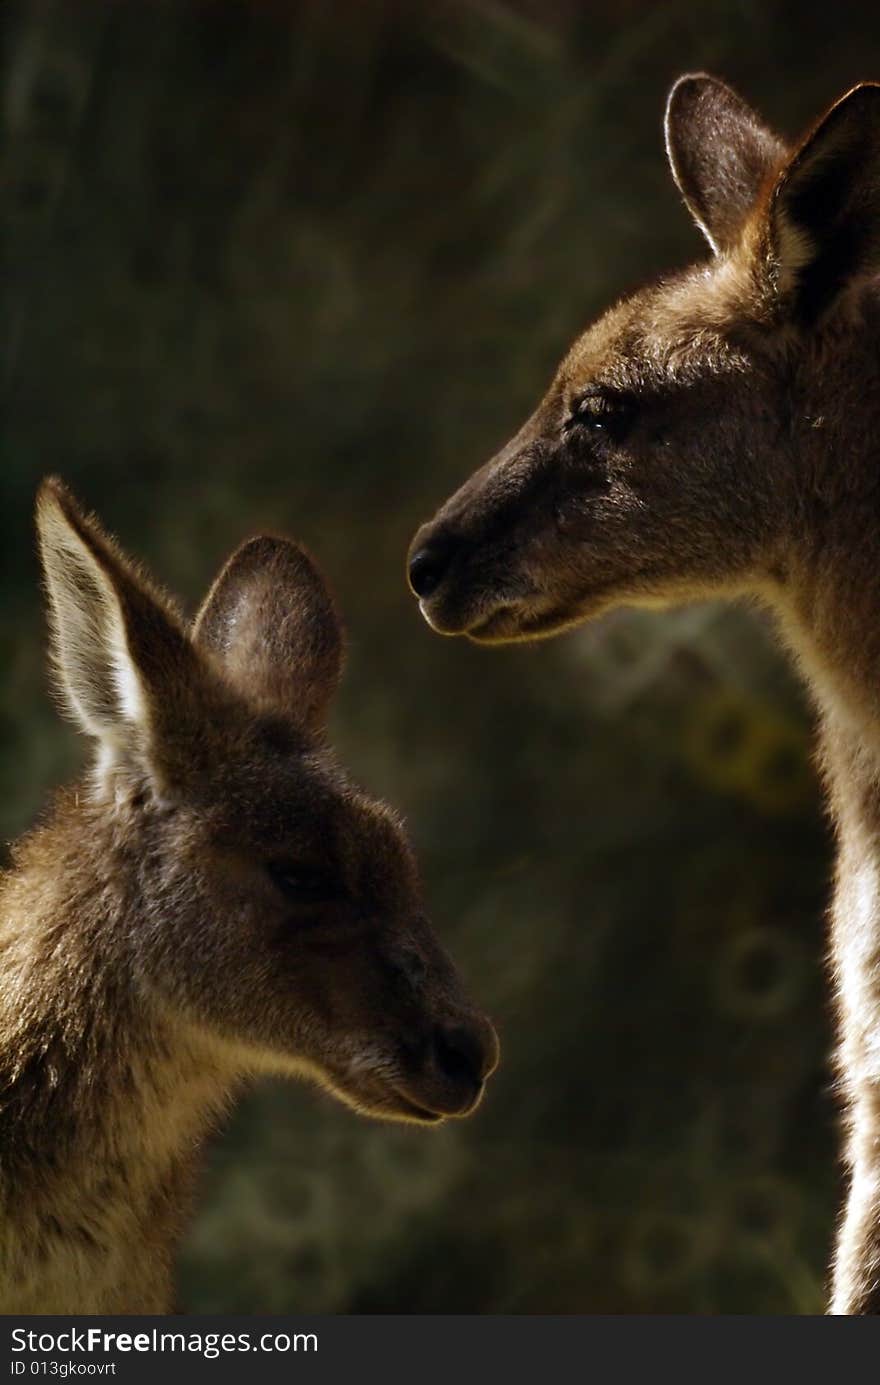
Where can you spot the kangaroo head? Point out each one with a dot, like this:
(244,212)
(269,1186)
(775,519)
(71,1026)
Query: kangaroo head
(675,446)
(268,904)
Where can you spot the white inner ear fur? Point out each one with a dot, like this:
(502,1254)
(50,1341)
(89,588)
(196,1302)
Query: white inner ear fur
(95,671)
(795,249)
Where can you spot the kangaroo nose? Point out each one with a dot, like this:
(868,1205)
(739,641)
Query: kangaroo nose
(466,1054)
(429,565)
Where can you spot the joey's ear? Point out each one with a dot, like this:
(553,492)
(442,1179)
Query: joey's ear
(273,623)
(823,217)
(720,153)
(122,659)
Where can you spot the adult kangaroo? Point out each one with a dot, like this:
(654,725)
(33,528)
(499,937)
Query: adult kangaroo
(719,434)
(216,900)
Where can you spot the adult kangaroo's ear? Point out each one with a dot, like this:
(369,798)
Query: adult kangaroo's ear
(720,153)
(123,662)
(271,620)
(823,221)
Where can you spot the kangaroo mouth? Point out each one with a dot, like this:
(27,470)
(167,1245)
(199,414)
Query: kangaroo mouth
(382,1100)
(509,621)
(395,1104)
(483,622)
(513,623)
(441,623)
(414,1111)
(399,1099)
(464,1104)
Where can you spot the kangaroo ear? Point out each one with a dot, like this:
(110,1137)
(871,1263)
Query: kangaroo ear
(271,620)
(720,153)
(823,222)
(122,658)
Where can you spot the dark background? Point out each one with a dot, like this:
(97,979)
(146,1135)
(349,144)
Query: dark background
(304,266)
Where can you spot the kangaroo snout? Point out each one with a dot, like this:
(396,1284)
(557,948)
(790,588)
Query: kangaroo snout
(461,1054)
(472,584)
(466,1052)
(454,579)
(438,1047)
(430,558)
(468,565)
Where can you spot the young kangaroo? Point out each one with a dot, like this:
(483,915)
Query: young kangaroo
(216,900)
(719,433)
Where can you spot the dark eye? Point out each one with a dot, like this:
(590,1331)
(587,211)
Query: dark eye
(601,412)
(307,884)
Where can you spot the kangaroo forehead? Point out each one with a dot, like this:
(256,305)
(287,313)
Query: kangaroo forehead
(306,805)
(659,334)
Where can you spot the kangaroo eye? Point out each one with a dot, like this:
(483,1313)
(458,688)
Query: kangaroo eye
(599,411)
(308,884)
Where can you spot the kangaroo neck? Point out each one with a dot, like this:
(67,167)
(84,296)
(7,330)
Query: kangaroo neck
(104,1103)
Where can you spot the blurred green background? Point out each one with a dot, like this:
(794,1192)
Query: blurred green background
(305,265)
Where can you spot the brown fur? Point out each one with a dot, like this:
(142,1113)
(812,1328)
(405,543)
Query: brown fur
(719,433)
(216,900)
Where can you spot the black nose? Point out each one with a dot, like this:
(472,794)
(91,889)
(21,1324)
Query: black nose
(429,565)
(461,1054)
